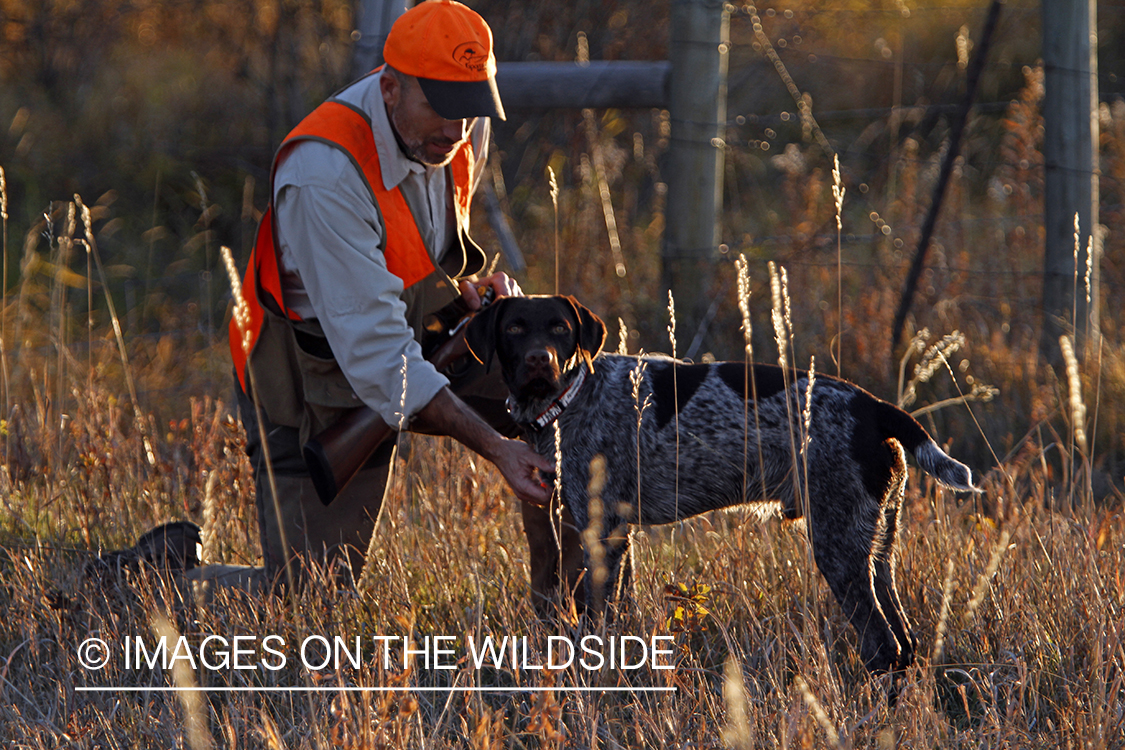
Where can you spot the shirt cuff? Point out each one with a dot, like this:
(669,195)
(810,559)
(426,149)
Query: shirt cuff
(422,382)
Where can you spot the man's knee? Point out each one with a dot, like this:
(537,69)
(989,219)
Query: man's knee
(297,526)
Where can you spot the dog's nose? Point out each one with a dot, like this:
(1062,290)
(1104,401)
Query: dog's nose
(537,358)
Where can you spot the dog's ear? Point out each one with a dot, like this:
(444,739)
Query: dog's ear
(480,333)
(591,331)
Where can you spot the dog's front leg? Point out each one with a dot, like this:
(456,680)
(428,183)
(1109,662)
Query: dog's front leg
(555,556)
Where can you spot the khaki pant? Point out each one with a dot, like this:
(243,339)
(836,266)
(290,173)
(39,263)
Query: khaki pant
(337,535)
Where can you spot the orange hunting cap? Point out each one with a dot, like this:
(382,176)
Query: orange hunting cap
(448,48)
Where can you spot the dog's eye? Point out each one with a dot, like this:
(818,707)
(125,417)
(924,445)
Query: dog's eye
(514,329)
(560,328)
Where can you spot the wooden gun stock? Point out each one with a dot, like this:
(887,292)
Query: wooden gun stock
(335,455)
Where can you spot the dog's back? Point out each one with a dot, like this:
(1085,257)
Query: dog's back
(705,436)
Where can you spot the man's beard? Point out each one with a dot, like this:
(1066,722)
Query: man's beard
(415,149)
(417,153)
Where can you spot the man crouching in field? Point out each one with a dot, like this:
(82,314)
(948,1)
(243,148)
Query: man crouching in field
(364,246)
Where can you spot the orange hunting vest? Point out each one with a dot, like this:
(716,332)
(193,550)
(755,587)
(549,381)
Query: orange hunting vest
(340,125)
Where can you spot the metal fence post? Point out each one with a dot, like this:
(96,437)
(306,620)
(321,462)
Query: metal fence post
(374,19)
(698,111)
(1070,155)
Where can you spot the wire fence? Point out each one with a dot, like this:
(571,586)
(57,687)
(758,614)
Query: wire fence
(748,129)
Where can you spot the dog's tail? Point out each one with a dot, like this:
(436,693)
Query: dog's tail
(896,423)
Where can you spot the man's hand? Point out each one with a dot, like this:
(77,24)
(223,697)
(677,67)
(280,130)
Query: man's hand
(448,415)
(523,468)
(502,284)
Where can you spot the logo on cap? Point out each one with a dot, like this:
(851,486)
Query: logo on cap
(471,55)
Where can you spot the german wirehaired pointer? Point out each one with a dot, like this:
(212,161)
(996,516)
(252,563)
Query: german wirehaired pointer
(732,448)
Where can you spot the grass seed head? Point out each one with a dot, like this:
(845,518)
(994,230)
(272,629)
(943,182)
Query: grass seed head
(672,321)
(779,313)
(241,308)
(838,191)
(1076,403)
(744,303)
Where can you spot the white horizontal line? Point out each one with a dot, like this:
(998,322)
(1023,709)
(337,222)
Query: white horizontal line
(321,689)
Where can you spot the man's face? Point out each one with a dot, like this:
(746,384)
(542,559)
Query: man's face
(429,137)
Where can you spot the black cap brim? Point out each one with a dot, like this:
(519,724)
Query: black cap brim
(460,100)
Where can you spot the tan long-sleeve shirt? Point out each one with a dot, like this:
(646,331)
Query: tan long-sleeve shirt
(331,260)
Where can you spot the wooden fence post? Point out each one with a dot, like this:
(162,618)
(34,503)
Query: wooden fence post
(598,84)
(1070,153)
(698,112)
(374,19)
(692,84)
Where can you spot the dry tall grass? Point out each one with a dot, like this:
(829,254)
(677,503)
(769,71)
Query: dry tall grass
(1031,607)
(1024,594)
(1018,595)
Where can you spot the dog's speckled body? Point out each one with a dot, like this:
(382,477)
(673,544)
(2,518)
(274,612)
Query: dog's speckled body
(736,442)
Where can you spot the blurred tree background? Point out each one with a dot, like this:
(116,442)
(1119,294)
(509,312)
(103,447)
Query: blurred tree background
(139,103)
(164,115)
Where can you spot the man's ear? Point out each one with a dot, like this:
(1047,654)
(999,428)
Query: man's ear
(481,332)
(390,87)
(591,331)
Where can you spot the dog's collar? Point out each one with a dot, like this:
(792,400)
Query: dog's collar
(563,400)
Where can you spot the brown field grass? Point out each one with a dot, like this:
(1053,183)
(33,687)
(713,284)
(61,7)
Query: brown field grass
(1029,603)
(1017,595)
(1022,588)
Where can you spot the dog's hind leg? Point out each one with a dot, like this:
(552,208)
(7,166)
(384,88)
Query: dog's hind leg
(884,558)
(843,529)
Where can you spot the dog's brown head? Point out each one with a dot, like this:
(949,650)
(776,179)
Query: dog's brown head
(536,340)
